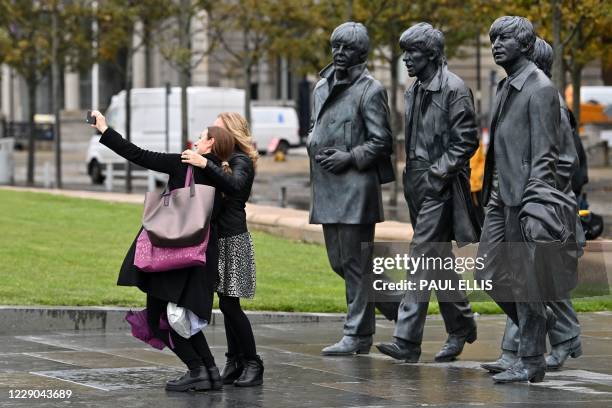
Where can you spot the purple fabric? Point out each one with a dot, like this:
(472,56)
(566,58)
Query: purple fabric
(150,258)
(142,331)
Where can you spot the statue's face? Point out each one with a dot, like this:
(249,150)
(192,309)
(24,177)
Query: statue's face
(415,60)
(345,55)
(506,49)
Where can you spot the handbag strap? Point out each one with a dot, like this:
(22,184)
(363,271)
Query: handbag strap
(189,180)
(189,176)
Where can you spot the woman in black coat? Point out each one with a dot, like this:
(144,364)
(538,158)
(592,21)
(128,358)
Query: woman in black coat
(193,287)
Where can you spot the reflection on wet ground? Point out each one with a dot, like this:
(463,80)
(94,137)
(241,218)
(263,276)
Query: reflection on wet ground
(115,370)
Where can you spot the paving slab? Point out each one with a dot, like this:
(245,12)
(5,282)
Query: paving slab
(112,369)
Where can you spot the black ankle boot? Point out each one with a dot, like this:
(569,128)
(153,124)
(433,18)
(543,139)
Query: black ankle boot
(196,379)
(252,374)
(232,370)
(216,382)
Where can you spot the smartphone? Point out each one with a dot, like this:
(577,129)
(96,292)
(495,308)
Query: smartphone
(90,118)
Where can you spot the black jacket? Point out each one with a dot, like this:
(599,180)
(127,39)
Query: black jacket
(447,113)
(236,189)
(194,287)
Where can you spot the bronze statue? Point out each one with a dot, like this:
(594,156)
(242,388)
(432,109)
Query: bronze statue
(441,136)
(349,146)
(520,163)
(564,336)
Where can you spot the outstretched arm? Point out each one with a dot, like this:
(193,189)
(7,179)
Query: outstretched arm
(162,162)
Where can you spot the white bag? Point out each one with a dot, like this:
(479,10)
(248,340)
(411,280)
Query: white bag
(184,321)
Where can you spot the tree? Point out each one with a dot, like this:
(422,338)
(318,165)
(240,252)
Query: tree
(242,28)
(300,32)
(70,47)
(577,30)
(25,43)
(386,20)
(118,44)
(587,22)
(174,40)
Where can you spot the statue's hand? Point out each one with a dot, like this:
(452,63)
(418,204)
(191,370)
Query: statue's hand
(337,161)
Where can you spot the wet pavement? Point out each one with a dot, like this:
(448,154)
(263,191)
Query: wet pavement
(113,369)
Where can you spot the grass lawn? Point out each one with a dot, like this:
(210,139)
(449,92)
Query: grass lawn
(64,251)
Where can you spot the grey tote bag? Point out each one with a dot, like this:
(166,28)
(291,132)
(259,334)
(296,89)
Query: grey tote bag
(179,218)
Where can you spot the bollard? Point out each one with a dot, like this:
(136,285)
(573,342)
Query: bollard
(109,177)
(47,175)
(7,162)
(282,197)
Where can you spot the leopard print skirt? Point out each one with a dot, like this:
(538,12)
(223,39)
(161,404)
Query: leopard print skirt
(236,266)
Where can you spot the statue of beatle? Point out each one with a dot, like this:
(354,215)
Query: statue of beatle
(350,144)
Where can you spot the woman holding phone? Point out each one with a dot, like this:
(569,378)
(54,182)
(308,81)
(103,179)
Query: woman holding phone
(192,288)
(243,367)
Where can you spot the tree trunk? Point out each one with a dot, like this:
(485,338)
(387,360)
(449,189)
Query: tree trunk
(128,113)
(184,70)
(576,84)
(349,10)
(31,85)
(184,80)
(576,74)
(395,126)
(148,53)
(56,104)
(557,68)
(247,93)
(248,73)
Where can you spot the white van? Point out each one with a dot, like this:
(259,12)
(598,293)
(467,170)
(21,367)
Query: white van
(149,121)
(600,94)
(274,128)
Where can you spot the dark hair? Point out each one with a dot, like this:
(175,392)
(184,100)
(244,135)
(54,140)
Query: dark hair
(542,56)
(355,34)
(518,27)
(426,39)
(223,146)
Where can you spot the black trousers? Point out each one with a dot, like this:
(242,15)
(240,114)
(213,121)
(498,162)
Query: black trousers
(501,226)
(194,352)
(432,225)
(566,328)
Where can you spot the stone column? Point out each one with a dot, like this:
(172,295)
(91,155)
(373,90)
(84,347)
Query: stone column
(139,61)
(199,44)
(72,91)
(4,91)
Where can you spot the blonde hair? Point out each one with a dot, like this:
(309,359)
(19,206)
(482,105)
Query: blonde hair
(237,125)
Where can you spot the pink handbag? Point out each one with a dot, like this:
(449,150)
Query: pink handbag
(153,258)
(149,258)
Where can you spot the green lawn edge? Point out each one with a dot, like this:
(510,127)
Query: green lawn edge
(62,251)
